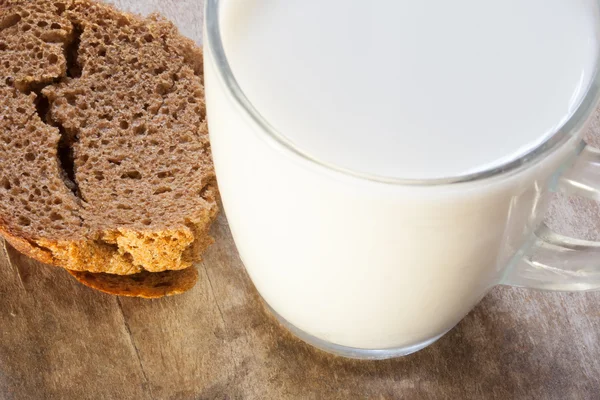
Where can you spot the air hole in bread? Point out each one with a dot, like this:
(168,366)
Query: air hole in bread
(9,21)
(52,37)
(54,216)
(23,221)
(140,129)
(60,8)
(162,190)
(132,175)
(5,183)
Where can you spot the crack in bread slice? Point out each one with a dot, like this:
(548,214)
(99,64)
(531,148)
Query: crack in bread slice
(105,162)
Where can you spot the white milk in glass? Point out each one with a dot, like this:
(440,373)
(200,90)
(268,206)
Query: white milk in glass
(427,89)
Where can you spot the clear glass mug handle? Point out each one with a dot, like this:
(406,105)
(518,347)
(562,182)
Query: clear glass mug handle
(557,262)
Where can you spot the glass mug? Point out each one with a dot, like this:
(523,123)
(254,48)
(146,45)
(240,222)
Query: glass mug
(374,268)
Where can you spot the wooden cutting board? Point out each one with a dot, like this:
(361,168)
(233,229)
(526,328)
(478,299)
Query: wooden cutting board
(60,340)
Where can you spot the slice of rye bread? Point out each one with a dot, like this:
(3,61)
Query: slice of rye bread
(105,162)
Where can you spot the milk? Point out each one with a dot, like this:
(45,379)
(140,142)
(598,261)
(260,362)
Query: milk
(413,89)
(405,89)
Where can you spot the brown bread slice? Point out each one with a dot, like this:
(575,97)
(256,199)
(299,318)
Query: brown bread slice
(105,162)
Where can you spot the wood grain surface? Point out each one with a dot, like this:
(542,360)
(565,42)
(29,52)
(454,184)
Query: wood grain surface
(60,340)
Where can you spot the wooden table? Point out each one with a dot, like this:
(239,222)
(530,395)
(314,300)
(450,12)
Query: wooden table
(60,340)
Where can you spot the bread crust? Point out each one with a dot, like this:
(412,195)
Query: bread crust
(111,256)
(144,284)
(26,247)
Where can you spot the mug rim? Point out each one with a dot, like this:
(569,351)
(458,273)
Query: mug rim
(561,136)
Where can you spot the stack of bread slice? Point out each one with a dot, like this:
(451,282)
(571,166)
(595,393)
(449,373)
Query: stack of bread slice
(105,164)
